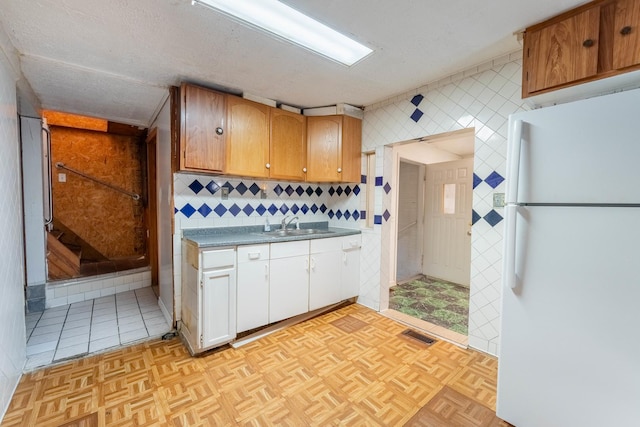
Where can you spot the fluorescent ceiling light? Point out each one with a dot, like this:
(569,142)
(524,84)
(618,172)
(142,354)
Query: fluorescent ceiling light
(293,26)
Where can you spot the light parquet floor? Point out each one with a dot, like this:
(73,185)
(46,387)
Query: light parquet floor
(349,367)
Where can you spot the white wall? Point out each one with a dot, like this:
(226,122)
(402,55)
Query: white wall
(12,321)
(481,99)
(165,206)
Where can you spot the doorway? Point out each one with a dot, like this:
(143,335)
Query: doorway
(432,234)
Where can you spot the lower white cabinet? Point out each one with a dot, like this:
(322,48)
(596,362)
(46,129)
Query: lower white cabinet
(208,297)
(325,281)
(253,287)
(289,280)
(350,267)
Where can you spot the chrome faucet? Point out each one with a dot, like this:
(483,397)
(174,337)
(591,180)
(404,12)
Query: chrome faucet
(285,224)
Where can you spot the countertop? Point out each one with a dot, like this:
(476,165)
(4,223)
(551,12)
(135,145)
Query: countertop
(254,234)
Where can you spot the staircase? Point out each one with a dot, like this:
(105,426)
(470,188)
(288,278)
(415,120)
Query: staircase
(63,261)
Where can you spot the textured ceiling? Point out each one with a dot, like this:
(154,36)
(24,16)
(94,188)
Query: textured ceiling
(115,59)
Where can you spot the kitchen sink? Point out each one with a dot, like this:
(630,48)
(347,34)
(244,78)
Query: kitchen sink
(296,232)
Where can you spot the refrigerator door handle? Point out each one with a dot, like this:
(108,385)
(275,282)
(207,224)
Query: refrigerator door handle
(510,246)
(513,165)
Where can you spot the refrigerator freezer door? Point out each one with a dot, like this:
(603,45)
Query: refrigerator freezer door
(569,351)
(581,152)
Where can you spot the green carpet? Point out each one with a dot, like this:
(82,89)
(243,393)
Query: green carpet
(441,303)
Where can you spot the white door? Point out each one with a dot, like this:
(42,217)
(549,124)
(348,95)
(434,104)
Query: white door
(351,266)
(218,307)
(410,213)
(289,281)
(253,287)
(325,286)
(447,236)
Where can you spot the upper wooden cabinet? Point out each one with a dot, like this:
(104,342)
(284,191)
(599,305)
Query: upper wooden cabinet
(334,148)
(288,145)
(248,138)
(597,40)
(202,129)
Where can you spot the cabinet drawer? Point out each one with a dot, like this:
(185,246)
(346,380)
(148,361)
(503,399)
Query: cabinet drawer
(252,253)
(221,258)
(351,242)
(329,244)
(289,249)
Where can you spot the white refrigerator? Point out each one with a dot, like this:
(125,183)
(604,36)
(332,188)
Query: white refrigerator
(570,327)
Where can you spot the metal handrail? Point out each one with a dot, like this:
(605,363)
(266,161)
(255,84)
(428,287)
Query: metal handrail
(134,196)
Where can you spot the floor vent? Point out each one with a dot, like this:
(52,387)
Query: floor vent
(418,336)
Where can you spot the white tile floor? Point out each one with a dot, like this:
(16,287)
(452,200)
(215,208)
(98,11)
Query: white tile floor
(90,326)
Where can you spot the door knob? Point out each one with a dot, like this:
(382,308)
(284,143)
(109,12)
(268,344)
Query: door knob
(469,233)
(219,131)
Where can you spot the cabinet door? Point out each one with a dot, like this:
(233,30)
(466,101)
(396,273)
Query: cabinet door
(563,52)
(626,36)
(288,145)
(202,131)
(217,305)
(248,138)
(288,287)
(351,149)
(324,148)
(253,287)
(350,273)
(324,279)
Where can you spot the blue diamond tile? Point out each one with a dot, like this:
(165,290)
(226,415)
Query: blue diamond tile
(175,210)
(304,209)
(205,210)
(235,210)
(347,214)
(323,208)
(196,186)
(476,180)
(318,191)
(187,210)
(272,209)
(299,190)
(356,190)
(416,100)
(377,219)
(295,209)
(330,213)
(278,190)
(309,191)
(493,218)
(261,209)
(363,179)
(416,115)
(314,208)
(347,190)
(289,190)
(363,214)
(241,188)
(248,210)
(254,188)
(474,217)
(386,215)
(284,209)
(386,188)
(212,187)
(338,214)
(220,209)
(494,179)
(229,186)
(339,190)
(331,191)
(378,181)
(356,215)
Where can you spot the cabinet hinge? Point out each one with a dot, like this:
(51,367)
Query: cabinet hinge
(201,340)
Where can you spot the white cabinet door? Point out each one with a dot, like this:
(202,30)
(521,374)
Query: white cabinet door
(351,266)
(289,287)
(218,302)
(325,287)
(253,287)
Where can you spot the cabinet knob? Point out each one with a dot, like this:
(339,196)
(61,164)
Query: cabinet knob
(588,43)
(339,170)
(625,30)
(219,131)
(304,170)
(268,165)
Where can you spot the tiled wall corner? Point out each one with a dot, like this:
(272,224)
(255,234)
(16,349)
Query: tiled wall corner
(84,289)
(12,327)
(482,99)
